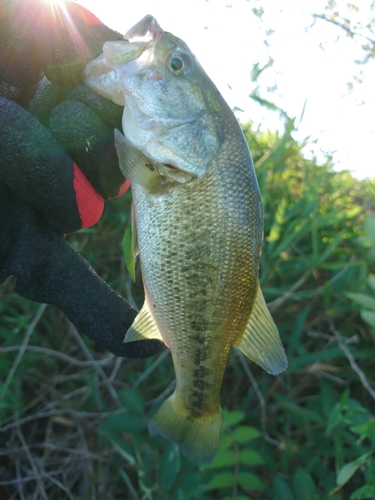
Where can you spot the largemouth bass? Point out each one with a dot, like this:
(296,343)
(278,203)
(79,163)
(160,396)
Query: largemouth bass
(198,225)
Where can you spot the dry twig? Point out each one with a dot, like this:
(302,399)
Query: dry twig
(261,400)
(344,347)
(95,365)
(22,349)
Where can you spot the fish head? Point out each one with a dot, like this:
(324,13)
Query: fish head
(171,110)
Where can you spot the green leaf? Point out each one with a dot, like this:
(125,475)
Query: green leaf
(281,490)
(250,457)
(231,418)
(243,434)
(297,331)
(223,480)
(364,430)
(128,254)
(303,485)
(263,102)
(249,481)
(348,470)
(335,417)
(278,222)
(225,441)
(223,459)
(131,399)
(362,299)
(366,491)
(169,466)
(368,317)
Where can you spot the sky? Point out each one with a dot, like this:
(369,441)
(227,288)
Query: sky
(311,77)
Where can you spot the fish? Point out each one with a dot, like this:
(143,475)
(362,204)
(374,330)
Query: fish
(197,225)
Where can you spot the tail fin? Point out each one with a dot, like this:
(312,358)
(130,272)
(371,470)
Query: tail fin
(198,437)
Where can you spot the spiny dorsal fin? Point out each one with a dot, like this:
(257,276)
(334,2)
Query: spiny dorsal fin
(261,341)
(143,327)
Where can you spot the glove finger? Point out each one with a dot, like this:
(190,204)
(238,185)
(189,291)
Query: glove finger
(109,112)
(49,270)
(85,129)
(37,168)
(90,143)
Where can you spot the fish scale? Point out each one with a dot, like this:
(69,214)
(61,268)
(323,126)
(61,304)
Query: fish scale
(197,224)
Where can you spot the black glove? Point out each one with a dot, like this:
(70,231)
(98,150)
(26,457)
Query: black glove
(49,124)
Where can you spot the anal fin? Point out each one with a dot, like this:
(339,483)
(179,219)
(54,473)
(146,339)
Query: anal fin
(261,340)
(143,327)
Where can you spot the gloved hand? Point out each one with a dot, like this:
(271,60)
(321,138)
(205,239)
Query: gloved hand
(57,165)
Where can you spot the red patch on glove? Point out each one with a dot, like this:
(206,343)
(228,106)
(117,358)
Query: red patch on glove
(124,187)
(90,203)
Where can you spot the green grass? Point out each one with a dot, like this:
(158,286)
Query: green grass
(74,418)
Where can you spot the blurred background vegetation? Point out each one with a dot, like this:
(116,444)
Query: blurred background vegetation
(73,419)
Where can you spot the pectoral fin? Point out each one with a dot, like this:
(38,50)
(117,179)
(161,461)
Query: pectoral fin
(143,327)
(135,165)
(261,341)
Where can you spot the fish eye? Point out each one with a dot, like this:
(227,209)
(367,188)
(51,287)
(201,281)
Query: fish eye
(179,63)
(176,63)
